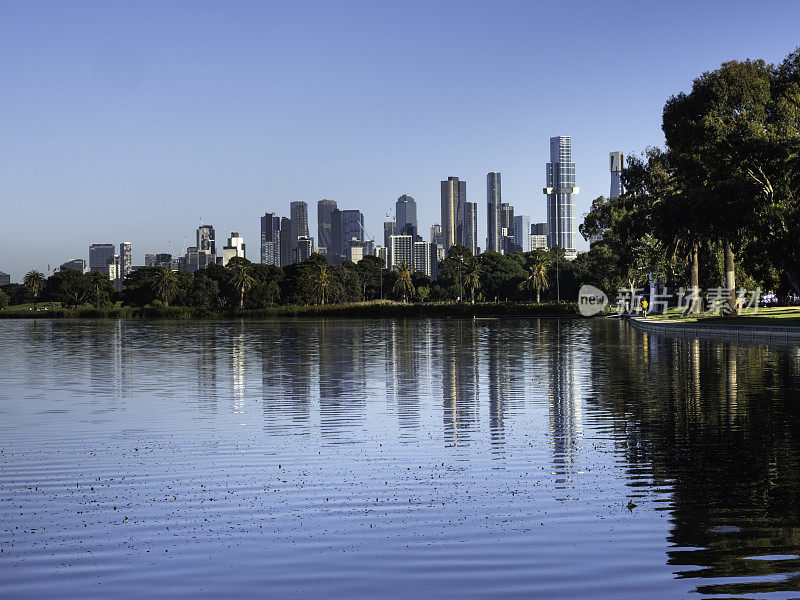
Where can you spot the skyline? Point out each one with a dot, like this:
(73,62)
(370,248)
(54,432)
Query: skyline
(113,113)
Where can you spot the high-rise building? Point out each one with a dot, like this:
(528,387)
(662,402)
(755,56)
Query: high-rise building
(522,233)
(234,248)
(348,226)
(422,257)
(559,190)
(271,239)
(617,160)
(382,252)
(325,210)
(507,243)
(470,227)
(436,234)
(539,229)
(406,215)
(158,260)
(287,246)
(305,246)
(206,248)
(76,264)
(538,242)
(401,251)
(493,201)
(454,195)
(99,257)
(5,279)
(299,216)
(389,229)
(125,262)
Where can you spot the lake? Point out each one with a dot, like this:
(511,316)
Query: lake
(453,458)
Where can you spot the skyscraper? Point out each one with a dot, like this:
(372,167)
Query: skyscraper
(287,247)
(305,246)
(346,226)
(493,201)
(325,210)
(470,227)
(422,257)
(76,264)
(206,247)
(99,257)
(389,229)
(522,233)
(454,195)
(436,234)
(125,262)
(299,216)
(5,279)
(559,190)
(406,215)
(617,160)
(401,251)
(270,239)
(234,248)
(506,228)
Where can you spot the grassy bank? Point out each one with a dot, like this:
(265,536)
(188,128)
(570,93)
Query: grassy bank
(372,309)
(777,317)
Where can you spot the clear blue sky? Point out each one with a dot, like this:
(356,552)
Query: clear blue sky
(127,121)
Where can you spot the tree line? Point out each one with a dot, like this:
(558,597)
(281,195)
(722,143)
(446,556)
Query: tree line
(490,277)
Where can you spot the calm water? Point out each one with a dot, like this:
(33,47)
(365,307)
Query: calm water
(402,459)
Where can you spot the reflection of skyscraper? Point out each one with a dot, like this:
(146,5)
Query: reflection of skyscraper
(559,190)
(493,201)
(454,195)
(402,367)
(459,369)
(565,408)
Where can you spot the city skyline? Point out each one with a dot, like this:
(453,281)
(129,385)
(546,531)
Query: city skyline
(129,123)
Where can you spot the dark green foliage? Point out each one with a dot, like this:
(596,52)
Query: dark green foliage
(4,300)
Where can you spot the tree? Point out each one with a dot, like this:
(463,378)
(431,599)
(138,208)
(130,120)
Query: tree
(370,271)
(67,286)
(165,284)
(423,291)
(403,286)
(34,283)
(472,277)
(323,281)
(97,284)
(4,300)
(537,274)
(240,279)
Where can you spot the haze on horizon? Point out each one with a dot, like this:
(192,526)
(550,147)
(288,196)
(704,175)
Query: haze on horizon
(130,122)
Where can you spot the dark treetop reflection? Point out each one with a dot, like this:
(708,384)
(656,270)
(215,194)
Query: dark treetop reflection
(449,458)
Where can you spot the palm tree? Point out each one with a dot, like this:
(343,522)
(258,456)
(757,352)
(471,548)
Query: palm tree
(537,276)
(165,285)
(473,278)
(96,279)
(241,279)
(34,284)
(404,286)
(323,281)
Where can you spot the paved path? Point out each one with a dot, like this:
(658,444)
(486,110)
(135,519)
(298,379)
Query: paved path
(754,333)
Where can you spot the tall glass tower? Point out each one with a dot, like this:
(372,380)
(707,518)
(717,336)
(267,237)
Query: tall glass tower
(559,190)
(617,163)
(406,215)
(454,195)
(470,227)
(493,200)
(325,210)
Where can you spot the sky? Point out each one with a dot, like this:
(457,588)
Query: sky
(132,121)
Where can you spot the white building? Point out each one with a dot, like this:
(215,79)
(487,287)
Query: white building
(422,257)
(538,242)
(234,248)
(401,250)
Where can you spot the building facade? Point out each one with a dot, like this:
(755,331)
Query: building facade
(560,173)
(469,227)
(287,246)
(99,257)
(5,278)
(305,246)
(617,163)
(270,239)
(325,210)
(493,201)
(422,257)
(401,251)
(538,242)
(522,233)
(454,196)
(125,262)
(299,217)
(234,248)
(406,215)
(76,264)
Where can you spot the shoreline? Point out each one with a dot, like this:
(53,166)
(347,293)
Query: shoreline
(370,309)
(769,334)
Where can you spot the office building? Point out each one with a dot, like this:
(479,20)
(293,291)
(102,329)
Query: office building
(539,229)
(382,252)
(113,271)
(287,245)
(206,249)
(522,233)
(299,216)
(305,246)
(99,257)
(158,260)
(234,248)
(125,262)
(76,264)
(347,226)
(437,255)
(5,279)
(538,242)
(469,227)
(422,257)
(454,195)
(436,234)
(406,215)
(355,252)
(560,203)
(493,201)
(325,210)
(271,239)
(401,251)
(389,230)
(617,162)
